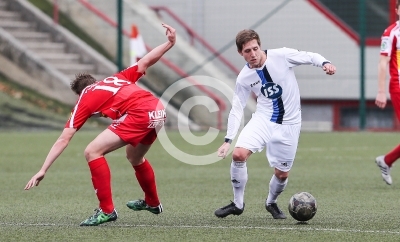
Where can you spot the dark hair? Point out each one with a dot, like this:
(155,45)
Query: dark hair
(397,3)
(245,36)
(81,81)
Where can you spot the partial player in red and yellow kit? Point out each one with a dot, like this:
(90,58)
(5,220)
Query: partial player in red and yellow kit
(389,55)
(137,116)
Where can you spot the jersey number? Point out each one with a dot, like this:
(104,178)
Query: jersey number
(271,90)
(116,84)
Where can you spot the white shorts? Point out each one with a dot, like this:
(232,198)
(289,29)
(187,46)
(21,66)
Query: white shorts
(280,140)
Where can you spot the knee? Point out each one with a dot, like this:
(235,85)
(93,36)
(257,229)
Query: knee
(282,176)
(88,153)
(91,152)
(135,161)
(237,155)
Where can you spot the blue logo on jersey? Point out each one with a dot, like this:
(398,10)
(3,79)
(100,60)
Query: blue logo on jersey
(271,90)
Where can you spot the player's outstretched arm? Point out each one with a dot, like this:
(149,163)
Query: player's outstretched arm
(55,151)
(154,55)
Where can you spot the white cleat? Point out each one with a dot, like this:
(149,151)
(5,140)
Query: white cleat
(385,169)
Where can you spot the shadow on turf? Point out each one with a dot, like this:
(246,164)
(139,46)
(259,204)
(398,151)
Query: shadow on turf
(302,223)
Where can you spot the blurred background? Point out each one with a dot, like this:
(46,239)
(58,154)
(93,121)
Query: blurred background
(44,43)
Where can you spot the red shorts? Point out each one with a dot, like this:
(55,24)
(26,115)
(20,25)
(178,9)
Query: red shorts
(140,124)
(395,98)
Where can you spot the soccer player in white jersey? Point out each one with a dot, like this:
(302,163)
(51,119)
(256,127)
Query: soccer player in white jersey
(276,123)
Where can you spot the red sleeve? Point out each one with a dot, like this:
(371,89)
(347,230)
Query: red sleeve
(389,41)
(131,74)
(79,115)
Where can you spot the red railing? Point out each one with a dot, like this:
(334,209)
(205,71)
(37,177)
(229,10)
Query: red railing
(393,17)
(55,11)
(371,41)
(221,104)
(194,36)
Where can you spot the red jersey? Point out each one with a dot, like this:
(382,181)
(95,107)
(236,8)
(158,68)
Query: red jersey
(111,97)
(390,46)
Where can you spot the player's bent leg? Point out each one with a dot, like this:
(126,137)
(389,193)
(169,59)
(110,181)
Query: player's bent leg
(277,184)
(281,153)
(104,143)
(145,175)
(239,179)
(101,180)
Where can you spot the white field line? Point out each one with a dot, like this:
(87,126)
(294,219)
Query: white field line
(333,148)
(208,227)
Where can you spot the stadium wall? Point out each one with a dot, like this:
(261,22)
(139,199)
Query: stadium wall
(297,24)
(328,102)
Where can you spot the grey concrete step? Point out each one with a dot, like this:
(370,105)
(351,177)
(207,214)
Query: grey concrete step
(9,24)
(49,47)
(3,5)
(10,15)
(60,58)
(72,69)
(33,36)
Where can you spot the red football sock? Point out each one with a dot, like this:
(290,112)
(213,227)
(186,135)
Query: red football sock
(147,181)
(101,179)
(392,156)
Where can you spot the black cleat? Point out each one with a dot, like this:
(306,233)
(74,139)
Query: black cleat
(228,210)
(275,211)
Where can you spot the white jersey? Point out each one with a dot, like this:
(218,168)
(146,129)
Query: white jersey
(275,86)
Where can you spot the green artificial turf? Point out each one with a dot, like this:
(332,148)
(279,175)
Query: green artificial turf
(354,204)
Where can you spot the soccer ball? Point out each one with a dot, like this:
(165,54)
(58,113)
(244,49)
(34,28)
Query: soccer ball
(302,206)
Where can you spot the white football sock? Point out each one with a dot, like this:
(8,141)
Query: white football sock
(276,187)
(238,180)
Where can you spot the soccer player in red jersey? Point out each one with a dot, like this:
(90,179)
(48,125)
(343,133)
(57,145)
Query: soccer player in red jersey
(389,54)
(137,116)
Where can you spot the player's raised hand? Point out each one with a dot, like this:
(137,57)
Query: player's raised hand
(223,150)
(329,69)
(35,180)
(170,32)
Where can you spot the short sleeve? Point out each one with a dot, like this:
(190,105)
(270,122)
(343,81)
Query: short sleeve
(387,42)
(131,74)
